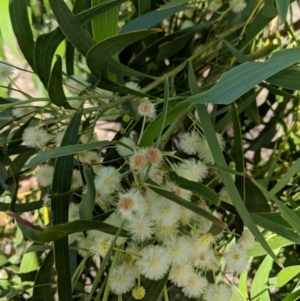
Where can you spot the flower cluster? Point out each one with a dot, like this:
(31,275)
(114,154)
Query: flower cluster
(165,239)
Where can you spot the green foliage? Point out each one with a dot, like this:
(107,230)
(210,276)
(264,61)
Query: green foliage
(140,107)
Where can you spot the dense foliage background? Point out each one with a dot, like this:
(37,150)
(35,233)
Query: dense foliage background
(205,92)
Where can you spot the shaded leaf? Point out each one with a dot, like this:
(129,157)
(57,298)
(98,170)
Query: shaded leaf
(282,7)
(54,233)
(71,27)
(65,150)
(86,206)
(55,87)
(43,279)
(22,29)
(150,19)
(98,57)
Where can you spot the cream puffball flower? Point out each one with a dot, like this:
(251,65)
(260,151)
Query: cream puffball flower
(236,258)
(205,152)
(21,111)
(195,286)
(217,292)
(154,155)
(247,240)
(35,137)
(190,143)
(133,86)
(76,180)
(140,228)
(154,262)
(237,5)
(130,203)
(45,175)
(181,274)
(178,249)
(147,109)
(123,150)
(108,180)
(138,160)
(193,170)
(73,212)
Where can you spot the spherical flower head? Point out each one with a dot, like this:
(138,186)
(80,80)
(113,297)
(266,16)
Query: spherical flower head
(182,193)
(163,233)
(224,196)
(22,111)
(237,5)
(217,292)
(236,258)
(181,274)
(154,155)
(100,246)
(133,86)
(195,287)
(6,71)
(91,158)
(115,220)
(86,138)
(108,180)
(45,175)
(178,249)
(130,203)
(134,250)
(138,160)
(83,244)
(206,260)
(205,152)
(138,293)
(154,262)
(147,109)
(122,279)
(58,138)
(73,212)
(76,180)
(190,143)
(185,215)
(247,240)
(165,212)
(156,174)
(140,228)
(123,150)
(193,170)
(35,137)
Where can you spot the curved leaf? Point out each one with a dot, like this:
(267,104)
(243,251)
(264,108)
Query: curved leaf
(98,57)
(286,275)
(87,203)
(43,279)
(22,29)
(71,27)
(55,87)
(241,79)
(54,233)
(64,151)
